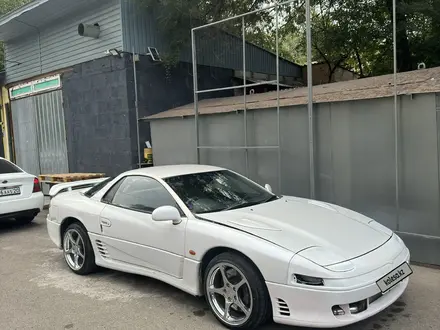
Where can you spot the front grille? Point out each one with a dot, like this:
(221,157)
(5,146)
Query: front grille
(374,298)
(283,308)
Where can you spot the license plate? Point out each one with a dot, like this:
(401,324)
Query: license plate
(9,191)
(394,277)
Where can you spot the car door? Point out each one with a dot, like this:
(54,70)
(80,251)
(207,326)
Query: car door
(129,233)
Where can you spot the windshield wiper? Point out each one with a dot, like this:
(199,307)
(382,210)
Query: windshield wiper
(271,199)
(246,204)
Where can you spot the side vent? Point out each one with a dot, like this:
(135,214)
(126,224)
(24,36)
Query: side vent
(102,249)
(283,308)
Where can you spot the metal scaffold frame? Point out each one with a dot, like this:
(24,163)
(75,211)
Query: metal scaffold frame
(311,135)
(245,86)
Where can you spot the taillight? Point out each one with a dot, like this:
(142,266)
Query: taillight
(37,186)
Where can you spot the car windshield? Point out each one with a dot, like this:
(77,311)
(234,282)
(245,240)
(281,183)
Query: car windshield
(217,191)
(7,167)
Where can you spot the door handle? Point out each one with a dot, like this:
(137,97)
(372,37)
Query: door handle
(106,223)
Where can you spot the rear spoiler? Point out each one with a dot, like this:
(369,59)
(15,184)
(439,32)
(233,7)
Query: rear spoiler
(75,185)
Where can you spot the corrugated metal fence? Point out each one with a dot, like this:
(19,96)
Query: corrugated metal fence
(40,135)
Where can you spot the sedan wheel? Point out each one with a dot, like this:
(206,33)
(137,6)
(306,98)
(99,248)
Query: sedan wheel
(235,292)
(78,251)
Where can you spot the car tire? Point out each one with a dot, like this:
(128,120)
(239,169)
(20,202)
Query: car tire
(78,251)
(24,220)
(233,292)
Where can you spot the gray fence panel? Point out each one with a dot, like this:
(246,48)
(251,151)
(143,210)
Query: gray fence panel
(25,135)
(173,141)
(364,154)
(51,133)
(419,188)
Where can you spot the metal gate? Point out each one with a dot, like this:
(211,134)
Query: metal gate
(40,134)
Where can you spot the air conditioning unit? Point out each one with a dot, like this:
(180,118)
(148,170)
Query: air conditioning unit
(89,30)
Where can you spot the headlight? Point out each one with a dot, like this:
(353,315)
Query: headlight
(308,280)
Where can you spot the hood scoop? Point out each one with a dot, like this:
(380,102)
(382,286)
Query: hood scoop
(253,223)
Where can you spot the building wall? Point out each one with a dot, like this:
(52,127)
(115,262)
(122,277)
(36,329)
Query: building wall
(218,49)
(98,117)
(355,162)
(59,45)
(321,74)
(126,25)
(99,104)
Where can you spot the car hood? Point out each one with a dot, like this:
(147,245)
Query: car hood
(300,225)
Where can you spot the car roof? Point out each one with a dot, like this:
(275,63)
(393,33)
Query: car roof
(166,171)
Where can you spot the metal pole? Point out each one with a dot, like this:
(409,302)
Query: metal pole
(236,87)
(396,116)
(310,100)
(195,84)
(244,97)
(136,104)
(278,94)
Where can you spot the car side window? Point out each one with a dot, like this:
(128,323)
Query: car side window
(110,194)
(140,194)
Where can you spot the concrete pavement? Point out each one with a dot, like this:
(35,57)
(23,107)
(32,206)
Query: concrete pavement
(39,292)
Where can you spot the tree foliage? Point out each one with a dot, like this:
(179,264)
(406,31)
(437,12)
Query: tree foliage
(176,18)
(350,33)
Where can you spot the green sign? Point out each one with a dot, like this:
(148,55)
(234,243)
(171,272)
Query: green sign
(35,87)
(21,91)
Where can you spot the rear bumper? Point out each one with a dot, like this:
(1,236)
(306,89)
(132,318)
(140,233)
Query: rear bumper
(22,207)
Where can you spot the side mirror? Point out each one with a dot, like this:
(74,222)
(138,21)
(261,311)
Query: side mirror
(268,188)
(167,213)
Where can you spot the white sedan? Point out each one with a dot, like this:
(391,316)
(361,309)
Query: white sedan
(20,193)
(254,255)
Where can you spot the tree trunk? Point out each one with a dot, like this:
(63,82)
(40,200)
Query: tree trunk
(361,69)
(404,60)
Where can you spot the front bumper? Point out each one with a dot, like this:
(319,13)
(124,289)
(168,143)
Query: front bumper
(312,307)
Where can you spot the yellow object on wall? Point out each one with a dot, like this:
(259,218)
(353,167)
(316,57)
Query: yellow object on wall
(4,121)
(148,156)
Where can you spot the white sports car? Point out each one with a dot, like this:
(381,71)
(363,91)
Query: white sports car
(255,256)
(20,193)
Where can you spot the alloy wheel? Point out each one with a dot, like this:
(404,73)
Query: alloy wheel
(74,249)
(229,294)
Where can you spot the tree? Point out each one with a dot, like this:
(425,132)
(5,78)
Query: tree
(176,18)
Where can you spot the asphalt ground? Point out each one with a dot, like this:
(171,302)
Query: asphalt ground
(38,291)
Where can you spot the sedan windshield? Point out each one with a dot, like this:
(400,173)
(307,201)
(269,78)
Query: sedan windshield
(217,191)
